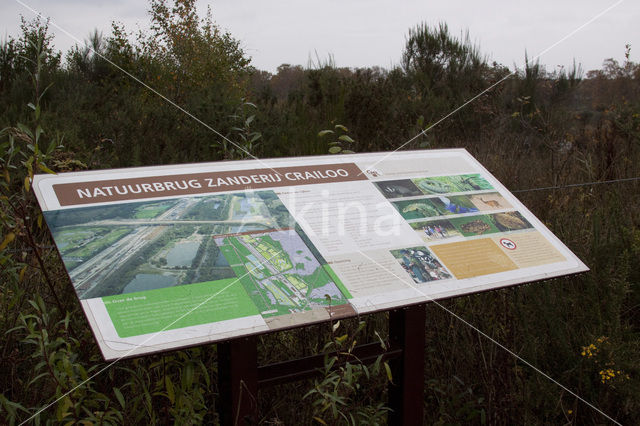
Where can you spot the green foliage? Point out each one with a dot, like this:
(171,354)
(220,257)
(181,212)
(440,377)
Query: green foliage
(348,390)
(57,356)
(188,60)
(442,71)
(8,57)
(438,59)
(21,157)
(247,139)
(338,139)
(197,51)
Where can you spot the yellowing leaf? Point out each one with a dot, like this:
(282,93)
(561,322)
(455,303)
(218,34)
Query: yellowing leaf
(324,132)
(345,138)
(7,240)
(63,408)
(119,396)
(46,169)
(27,184)
(170,392)
(388,369)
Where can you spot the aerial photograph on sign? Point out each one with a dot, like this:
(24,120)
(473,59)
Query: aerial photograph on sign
(133,247)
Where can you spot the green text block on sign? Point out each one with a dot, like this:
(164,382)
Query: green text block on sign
(169,308)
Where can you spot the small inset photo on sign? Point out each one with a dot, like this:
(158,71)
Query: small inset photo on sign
(510,221)
(489,201)
(457,204)
(471,226)
(435,185)
(398,188)
(470,182)
(435,230)
(417,209)
(421,264)
(449,184)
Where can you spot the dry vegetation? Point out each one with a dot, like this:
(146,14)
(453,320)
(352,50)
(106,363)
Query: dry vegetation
(537,129)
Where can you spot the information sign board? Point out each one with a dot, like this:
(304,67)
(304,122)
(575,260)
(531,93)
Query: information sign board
(175,256)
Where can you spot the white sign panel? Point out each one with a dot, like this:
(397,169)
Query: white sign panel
(175,256)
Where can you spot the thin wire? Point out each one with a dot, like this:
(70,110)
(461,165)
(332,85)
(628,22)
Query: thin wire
(576,185)
(498,82)
(515,191)
(458,317)
(430,299)
(147,340)
(374,164)
(145,85)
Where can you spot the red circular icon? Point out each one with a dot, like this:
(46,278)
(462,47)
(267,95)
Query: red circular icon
(508,244)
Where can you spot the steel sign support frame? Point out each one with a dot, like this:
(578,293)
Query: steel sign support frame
(241,378)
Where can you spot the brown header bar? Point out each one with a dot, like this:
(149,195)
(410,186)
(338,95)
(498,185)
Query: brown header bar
(79,193)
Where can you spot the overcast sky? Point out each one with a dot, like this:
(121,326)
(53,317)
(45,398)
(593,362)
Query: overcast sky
(360,33)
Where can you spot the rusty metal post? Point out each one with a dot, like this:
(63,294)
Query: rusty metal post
(238,378)
(406,394)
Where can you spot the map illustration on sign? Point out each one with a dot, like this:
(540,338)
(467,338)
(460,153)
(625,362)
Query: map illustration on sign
(279,272)
(173,256)
(142,246)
